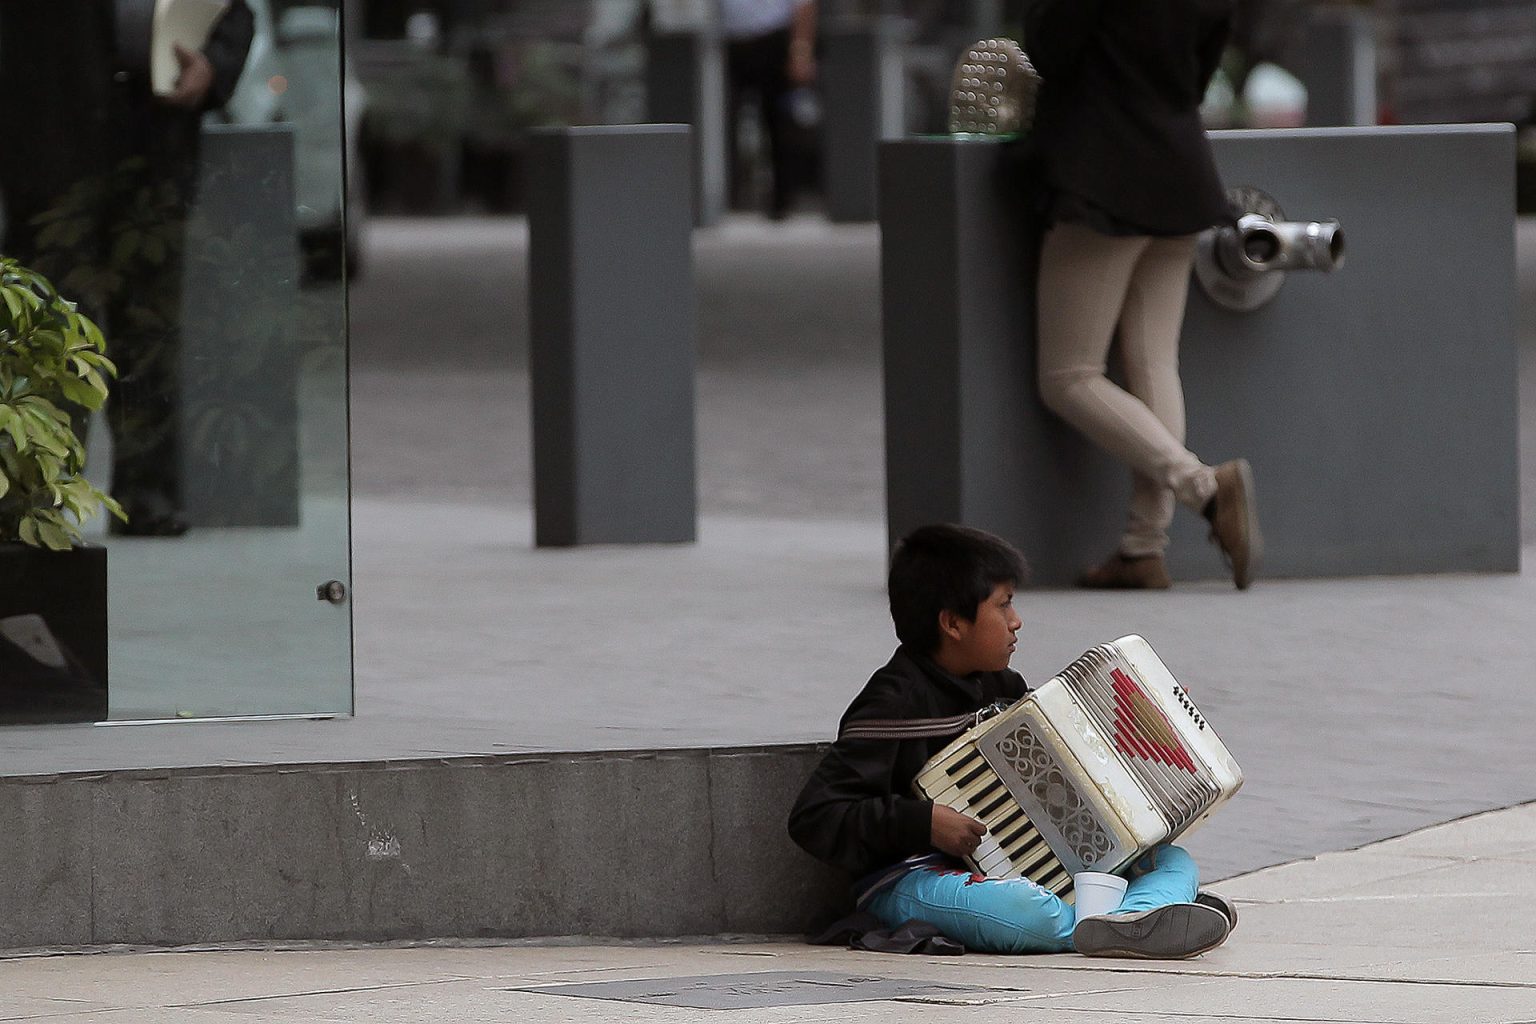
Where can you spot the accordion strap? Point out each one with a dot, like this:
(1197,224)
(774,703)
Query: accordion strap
(917,728)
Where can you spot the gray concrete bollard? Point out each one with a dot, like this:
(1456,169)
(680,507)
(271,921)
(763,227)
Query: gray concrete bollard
(1337,64)
(966,438)
(863,93)
(612,353)
(1377,404)
(240,347)
(685,84)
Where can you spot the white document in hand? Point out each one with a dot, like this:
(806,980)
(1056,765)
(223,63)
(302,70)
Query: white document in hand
(178,22)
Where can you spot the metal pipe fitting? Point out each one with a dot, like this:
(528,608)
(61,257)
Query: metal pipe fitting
(1260,245)
(1241,268)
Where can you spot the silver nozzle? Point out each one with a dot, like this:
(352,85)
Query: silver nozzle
(1260,245)
(1241,268)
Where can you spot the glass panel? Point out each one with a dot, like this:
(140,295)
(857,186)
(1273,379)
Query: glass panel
(190,201)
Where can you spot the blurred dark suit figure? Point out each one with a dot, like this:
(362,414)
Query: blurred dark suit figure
(97,199)
(770,53)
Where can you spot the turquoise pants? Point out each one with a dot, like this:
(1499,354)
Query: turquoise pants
(1014,915)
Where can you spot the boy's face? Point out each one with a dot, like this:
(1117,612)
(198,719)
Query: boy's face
(986,643)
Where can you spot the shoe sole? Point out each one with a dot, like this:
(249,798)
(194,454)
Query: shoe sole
(1250,524)
(1252,540)
(1216,901)
(1175,932)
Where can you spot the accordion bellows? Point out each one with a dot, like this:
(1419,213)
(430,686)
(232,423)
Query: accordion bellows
(1099,764)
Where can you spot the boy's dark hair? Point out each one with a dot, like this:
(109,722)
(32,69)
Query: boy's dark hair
(946,568)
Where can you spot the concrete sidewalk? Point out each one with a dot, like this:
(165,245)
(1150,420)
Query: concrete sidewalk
(469,641)
(1430,927)
(1359,708)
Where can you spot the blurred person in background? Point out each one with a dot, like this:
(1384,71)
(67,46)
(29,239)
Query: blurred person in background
(1130,183)
(97,199)
(771,54)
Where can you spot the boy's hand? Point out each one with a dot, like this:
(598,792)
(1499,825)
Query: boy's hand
(195,80)
(955,833)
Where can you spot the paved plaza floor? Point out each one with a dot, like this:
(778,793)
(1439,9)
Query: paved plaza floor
(1430,928)
(1360,709)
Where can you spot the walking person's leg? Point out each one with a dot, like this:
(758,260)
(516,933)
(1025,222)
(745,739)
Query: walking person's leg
(1151,322)
(1085,283)
(773,96)
(738,176)
(1089,284)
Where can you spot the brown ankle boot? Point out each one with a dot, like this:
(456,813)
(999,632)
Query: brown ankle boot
(1235,520)
(1119,572)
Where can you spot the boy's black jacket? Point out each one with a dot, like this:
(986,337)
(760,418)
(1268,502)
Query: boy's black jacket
(857,812)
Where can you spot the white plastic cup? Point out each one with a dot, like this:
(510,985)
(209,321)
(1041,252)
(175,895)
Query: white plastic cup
(1097,893)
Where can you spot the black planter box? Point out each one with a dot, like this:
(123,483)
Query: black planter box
(53,635)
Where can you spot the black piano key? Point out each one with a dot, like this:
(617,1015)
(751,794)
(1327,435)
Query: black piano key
(1004,828)
(1058,881)
(989,802)
(1031,857)
(969,771)
(1020,835)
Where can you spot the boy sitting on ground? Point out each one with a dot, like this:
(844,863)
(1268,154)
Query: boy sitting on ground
(951,594)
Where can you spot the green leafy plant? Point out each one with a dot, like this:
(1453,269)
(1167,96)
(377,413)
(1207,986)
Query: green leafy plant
(52,363)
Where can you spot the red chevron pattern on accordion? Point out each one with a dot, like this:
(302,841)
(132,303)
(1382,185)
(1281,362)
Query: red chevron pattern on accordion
(1141,730)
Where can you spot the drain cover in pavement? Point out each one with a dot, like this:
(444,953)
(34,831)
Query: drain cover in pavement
(767,988)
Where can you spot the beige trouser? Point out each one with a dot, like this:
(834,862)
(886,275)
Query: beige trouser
(1096,287)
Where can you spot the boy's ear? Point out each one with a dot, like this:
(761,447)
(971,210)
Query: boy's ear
(949,624)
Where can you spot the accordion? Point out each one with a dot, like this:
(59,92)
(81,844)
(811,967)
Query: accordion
(1087,772)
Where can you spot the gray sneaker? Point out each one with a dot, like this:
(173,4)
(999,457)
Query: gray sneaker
(1207,898)
(1175,932)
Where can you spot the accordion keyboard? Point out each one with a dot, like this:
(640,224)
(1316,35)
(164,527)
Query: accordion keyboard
(1012,847)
